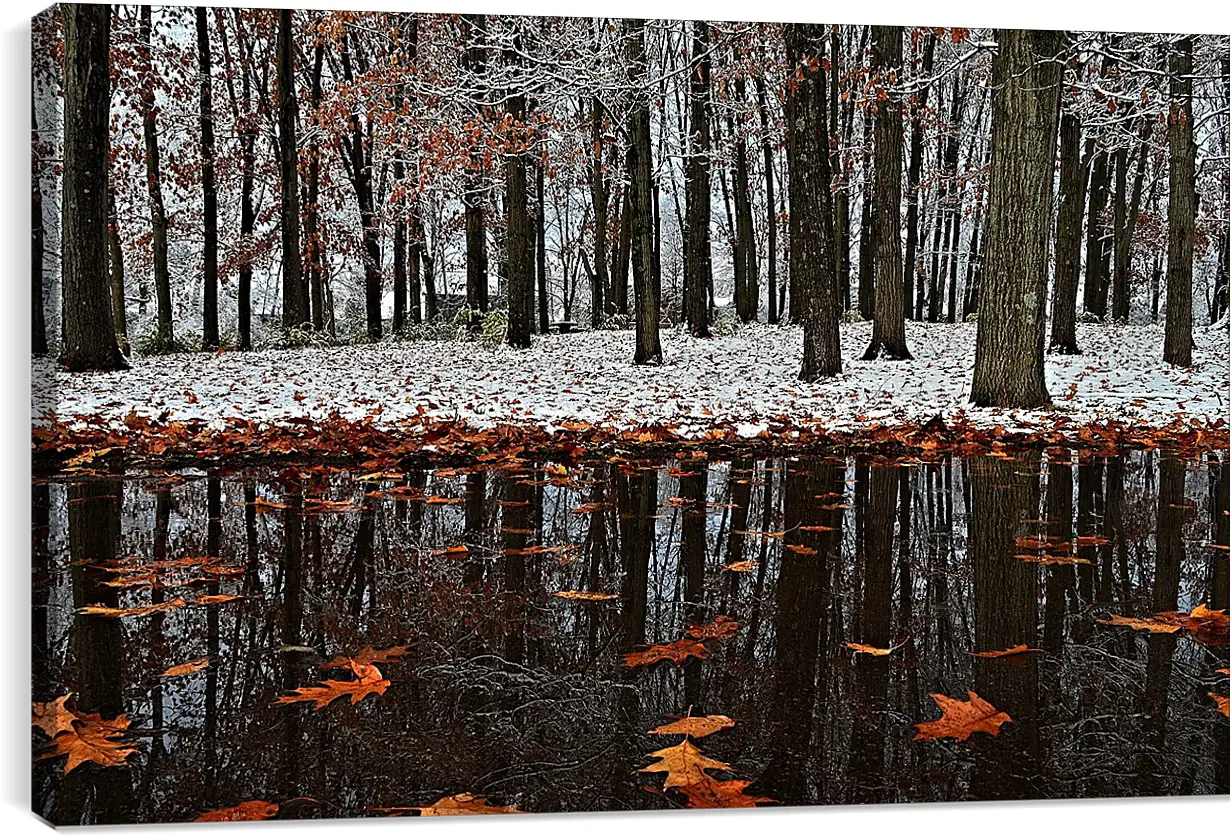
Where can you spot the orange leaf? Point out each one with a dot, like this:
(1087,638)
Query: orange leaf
(186,668)
(90,738)
(719,628)
(53,717)
(1019,649)
(696,726)
(1142,624)
(864,649)
(1221,701)
(959,719)
(741,567)
(677,652)
(369,681)
(251,810)
(368,655)
(215,599)
(465,804)
(138,611)
(586,596)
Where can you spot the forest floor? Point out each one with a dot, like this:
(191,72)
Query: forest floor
(745,383)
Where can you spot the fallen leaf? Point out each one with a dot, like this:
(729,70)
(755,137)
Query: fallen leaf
(1019,649)
(186,668)
(959,719)
(368,655)
(215,599)
(465,804)
(1221,701)
(684,763)
(586,596)
(90,738)
(696,726)
(53,717)
(251,810)
(719,628)
(137,611)
(368,681)
(677,652)
(864,649)
(741,567)
(1142,624)
(720,794)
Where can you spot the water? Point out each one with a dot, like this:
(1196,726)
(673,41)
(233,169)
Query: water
(517,695)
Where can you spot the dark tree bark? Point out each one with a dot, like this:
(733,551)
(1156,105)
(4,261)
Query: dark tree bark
(357,160)
(518,245)
(1181,208)
(1094,236)
(1119,225)
(241,111)
(88,333)
(153,172)
(698,269)
(399,240)
(867,228)
(748,292)
(314,251)
(209,308)
(1122,293)
(1008,368)
(889,327)
(811,226)
(771,211)
(837,166)
(115,251)
(476,187)
(38,322)
(294,296)
(913,172)
(600,196)
(540,243)
(645,279)
(623,256)
(1068,238)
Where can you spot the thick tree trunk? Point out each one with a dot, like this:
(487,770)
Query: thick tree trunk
(1008,368)
(209,308)
(913,172)
(811,225)
(475,62)
(1068,238)
(889,327)
(645,285)
(38,322)
(1181,208)
(88,335)
(153,171)
(867,229)
(1094,236)
(698,268)
(748,302)
(294,297)
(358,163)
(837,165)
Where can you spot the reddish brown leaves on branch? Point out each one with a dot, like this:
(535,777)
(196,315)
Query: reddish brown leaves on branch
(959,719)
(368,681)
(251,810)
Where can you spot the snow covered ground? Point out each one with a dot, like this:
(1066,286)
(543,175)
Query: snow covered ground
(743,380)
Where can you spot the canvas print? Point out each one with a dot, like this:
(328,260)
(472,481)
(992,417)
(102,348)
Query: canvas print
(469,414)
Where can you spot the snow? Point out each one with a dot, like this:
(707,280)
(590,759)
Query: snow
(745,381)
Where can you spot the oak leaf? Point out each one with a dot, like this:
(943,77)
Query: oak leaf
(1221,701)
(91,738)
(720,794)
(465,804)
(53,717)
(676,651)
(864,649)
(959,719)
(1019,649)
(719,628)
(249,810)
(586,596)
(186,668)
(215,599)
(368,681)
(136,611)
(1142,624)
(696,726)
(741,567)
(368,655)
(684,764)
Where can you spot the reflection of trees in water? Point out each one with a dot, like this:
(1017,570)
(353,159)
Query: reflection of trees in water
(512,693)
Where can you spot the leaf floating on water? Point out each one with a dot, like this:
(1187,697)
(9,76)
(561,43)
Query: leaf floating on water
(864,649)
(215,599)
(251,810)
(721,794)
(1019,649)
(1221,701)
(1141,624)
(684,764)
(959,719)
(186,668)
(368,681)
(696,726)
(586,596)
(1205,625)
(465,803)
(367,655)
(53,717)
(136,611)
(677,652)
(1049,560)
(741,567)
(719,628)
(91,738)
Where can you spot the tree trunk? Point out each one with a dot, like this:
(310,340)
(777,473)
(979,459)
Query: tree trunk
(358,164)
(889,327)
(153,171)
(837,165)
(913,171)
(1094,236)
(313,246)
(88,334)
(518,247)
(540,240)
(698,268)
(209,309)
(1181,208)
(1068,238)
(771,212)
(747,303)
(867,229)
(600,198)
(623,255)
(1119,273)
(116,251)
(294,299)
(811,225)
(1008,368)
(645,286)
(475,62)
(38,323)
